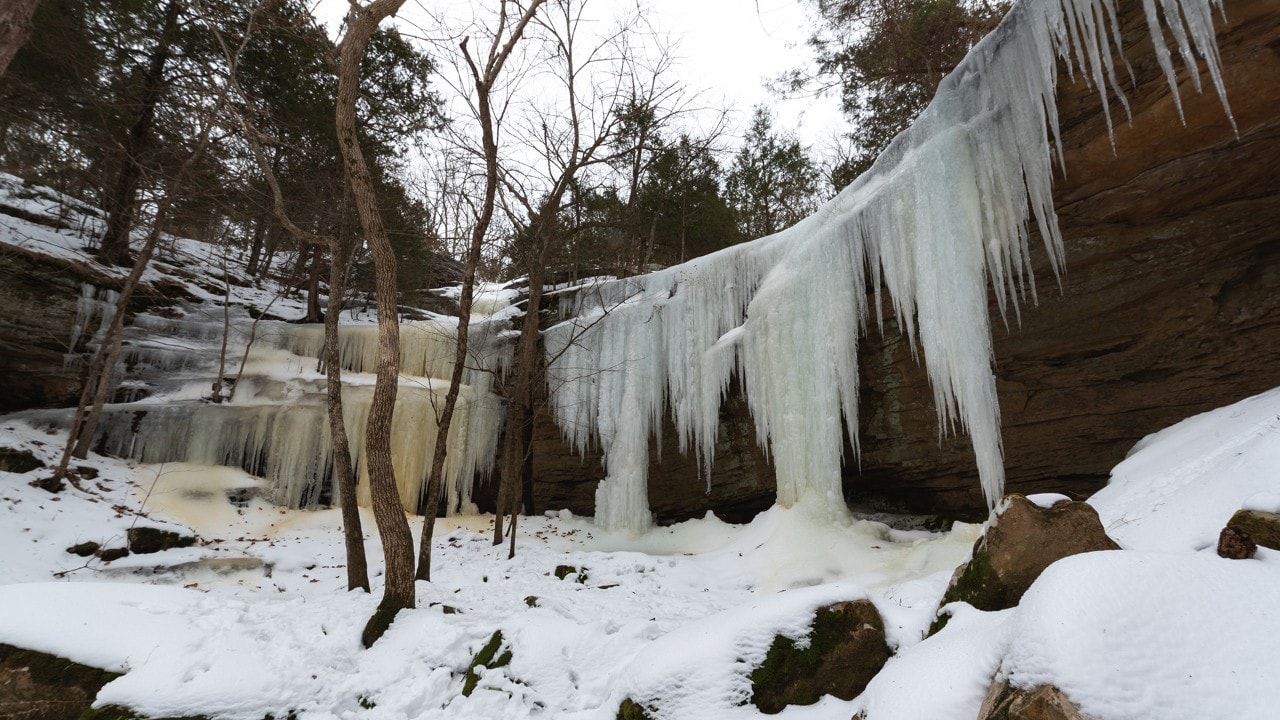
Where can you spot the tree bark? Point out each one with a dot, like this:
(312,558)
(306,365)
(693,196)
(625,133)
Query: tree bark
(15,28)
(122,202)
(397,542)
(344,475)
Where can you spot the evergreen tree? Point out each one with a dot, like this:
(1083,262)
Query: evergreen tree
(887,57)
(772,183)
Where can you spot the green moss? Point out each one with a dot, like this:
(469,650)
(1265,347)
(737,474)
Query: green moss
(1262,527)
(381,620)
(145,540)
(489,658)
(970,586)
(632,710)
(840,658)
(109,554)
(84,549)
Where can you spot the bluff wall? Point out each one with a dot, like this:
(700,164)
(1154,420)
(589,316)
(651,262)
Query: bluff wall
(1170,306)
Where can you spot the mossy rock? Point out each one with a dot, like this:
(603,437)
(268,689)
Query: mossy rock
(40,686)
(147,540)
(632,710)
(1022,540)
(846,648)
(18,461)
(85,549)
(564,571)
(1261,527)
(487,657)
(109,554)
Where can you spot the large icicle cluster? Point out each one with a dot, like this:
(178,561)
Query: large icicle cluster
(945,209)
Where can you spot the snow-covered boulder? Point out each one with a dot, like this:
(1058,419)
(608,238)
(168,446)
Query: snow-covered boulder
(1025,536)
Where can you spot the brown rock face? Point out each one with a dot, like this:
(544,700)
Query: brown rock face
(1023,540)
(35,330)
(1171,297)
(741,483)
(1045,702)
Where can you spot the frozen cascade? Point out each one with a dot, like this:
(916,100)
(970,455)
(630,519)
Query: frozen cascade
(942,212)
(277,425)
(95,305)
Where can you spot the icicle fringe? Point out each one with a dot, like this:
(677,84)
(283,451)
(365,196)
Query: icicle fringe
(942,212)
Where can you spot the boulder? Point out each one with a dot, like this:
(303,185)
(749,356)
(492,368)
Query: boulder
(1044,702)
(1235,544)
(846,648)
(146,540)
(632,710)
(18,461)
(1022,539)
(1263,528)
(487,657)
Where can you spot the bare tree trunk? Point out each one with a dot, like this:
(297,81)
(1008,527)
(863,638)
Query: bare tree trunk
(484,81)
(516,441)
(397,542)
(357,564)
(122,202)
(15,28)
(341,252)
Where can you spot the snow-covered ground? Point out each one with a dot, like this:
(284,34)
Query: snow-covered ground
(255,619)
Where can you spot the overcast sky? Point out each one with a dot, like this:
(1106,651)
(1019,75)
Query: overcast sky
(728,49)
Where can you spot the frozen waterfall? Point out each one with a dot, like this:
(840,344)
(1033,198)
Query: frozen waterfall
(944,210)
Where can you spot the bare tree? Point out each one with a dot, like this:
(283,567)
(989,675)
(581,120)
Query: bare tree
(15,28)
(602,82)
(397,543)
(484,78)
(341,253)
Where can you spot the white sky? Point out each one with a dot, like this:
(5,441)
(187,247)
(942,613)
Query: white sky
(726,49)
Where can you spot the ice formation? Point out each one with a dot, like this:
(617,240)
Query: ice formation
(276,425)
(945,209)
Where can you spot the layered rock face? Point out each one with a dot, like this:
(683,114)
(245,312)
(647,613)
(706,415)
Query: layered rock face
(1170,306)
(35,329)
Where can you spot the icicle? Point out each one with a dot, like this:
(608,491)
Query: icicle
(944,211)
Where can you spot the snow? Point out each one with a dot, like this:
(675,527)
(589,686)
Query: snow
(255,619)
(1178,487)
(945,209)
(1147,635)
(205,630)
